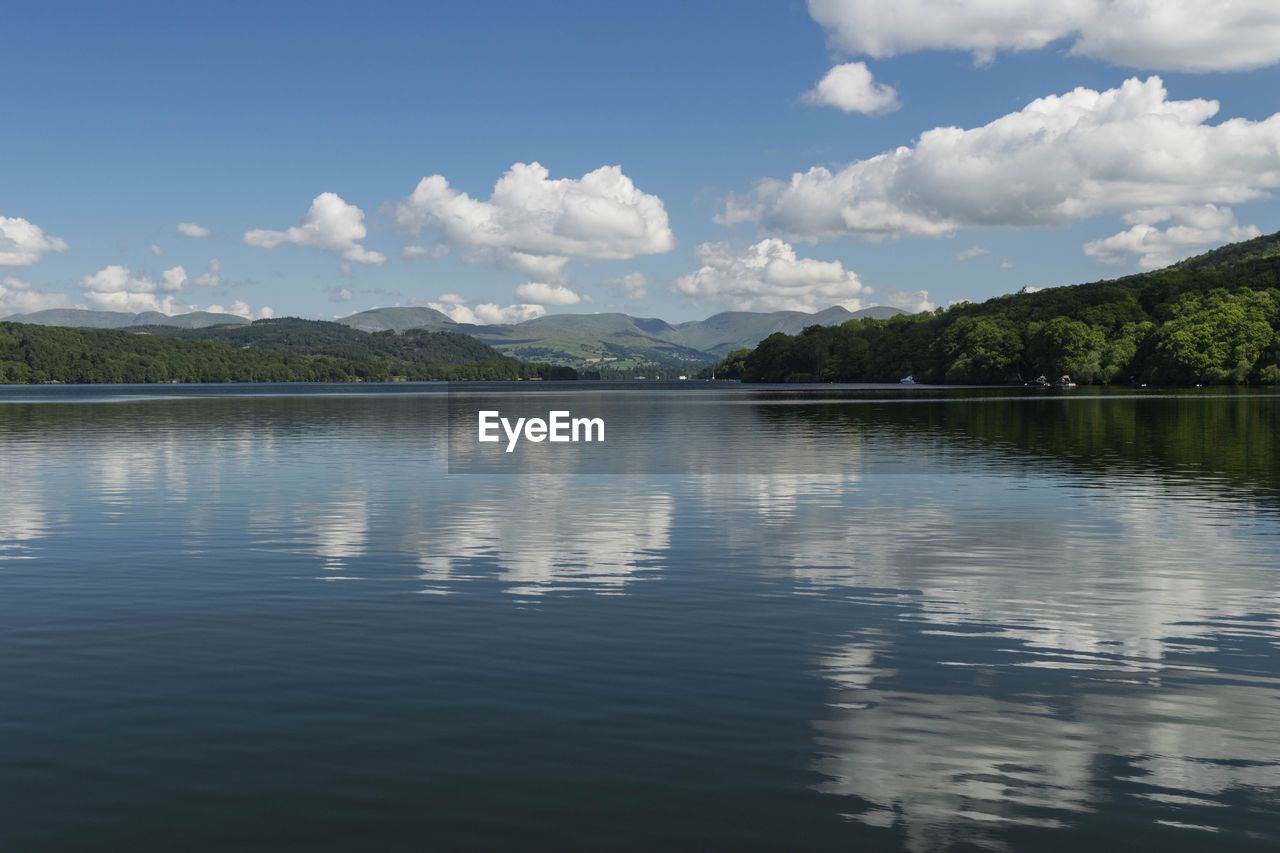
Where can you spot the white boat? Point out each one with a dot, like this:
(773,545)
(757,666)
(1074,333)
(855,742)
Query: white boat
(907,380)
(1065,382)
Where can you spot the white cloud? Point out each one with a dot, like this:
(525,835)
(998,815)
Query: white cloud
(156,250)
(1006,264)
(242,309)
(176,278)
(633,285)
(1175,35)
(535,225)
(190,229)
(969,254)
(22,243)
(330,224)
(19,297)
(851,88)
(488,313)
(339,294)
(1061,158)
(547,294)
(115,288)
(913,302)
(769,276)
(1192,228)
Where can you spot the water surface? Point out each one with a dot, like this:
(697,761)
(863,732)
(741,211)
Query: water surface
(269,618)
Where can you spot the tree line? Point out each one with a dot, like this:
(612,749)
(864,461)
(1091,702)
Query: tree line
(1213,319)
(287,350)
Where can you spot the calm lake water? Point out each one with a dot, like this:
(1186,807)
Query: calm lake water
(844,619)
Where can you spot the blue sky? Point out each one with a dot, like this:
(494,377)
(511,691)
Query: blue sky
(125,120)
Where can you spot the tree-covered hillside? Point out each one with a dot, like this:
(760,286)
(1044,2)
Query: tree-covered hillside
(316,337)
(286,350)
(1213,319)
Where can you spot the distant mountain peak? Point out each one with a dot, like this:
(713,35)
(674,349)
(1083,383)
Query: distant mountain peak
(619,340)
(84,318)
(396,319)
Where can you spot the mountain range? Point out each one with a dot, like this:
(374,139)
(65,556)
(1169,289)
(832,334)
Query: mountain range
(615,341)
(618,341)
(81,318)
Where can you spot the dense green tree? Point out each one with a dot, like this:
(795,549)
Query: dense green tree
(268,351)
(1216,337)
(1210,319)
(981,350)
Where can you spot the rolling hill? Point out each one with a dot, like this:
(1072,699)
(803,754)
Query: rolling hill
(619,341)
(81,318)
(396,319)
(1211,319)
(278,350)
(611,342)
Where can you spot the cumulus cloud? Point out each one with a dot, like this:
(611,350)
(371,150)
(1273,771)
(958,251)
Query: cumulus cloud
(969,254)
(1061,158)
(22,243)
(633,285)
(19,297)
(339,294)
(547,294)
(1006,264)
(913,301)
(769,276)
(1175,35)
(852,88)
(176,278)
(330,224)
(190,229)
(116,288)
(1190,228)
(156,250)
(535,225)
(456,309)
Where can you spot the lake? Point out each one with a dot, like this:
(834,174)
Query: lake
(855,618)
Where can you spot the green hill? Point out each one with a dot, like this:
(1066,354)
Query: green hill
(396,319)
(720,334)
(1213,318)
(619,342)
(283,350)
(317,337)
(603,340)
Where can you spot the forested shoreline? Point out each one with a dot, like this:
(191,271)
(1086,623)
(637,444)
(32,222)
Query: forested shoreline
(287,350)
(1212,319)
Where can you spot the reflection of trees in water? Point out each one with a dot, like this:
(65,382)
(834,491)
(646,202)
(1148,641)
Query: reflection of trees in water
(1234,438)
